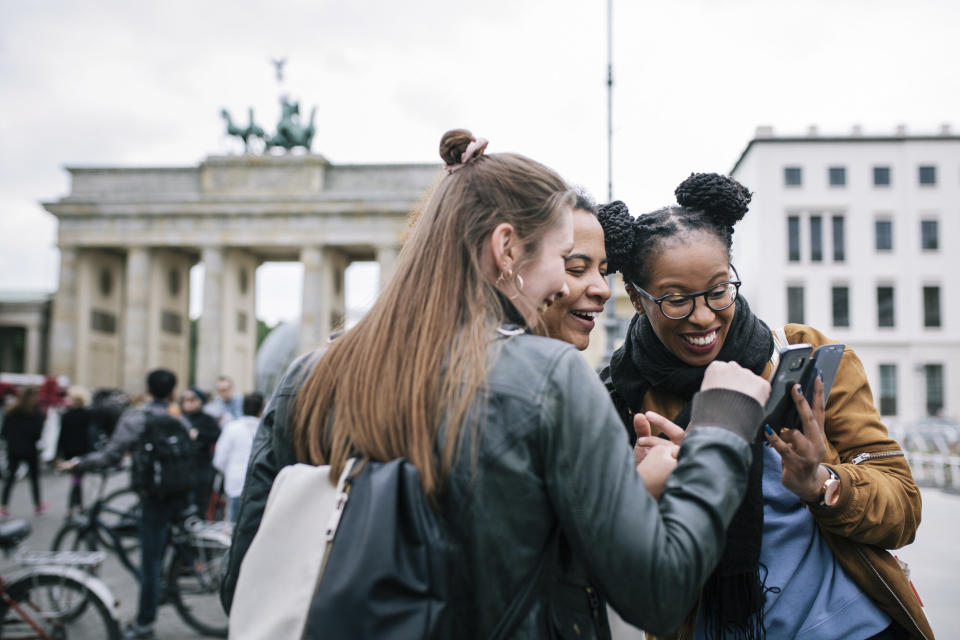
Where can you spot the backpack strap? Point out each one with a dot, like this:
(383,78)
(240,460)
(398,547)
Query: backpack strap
(520,605)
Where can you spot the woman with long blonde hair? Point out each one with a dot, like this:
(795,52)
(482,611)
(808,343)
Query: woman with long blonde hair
(512,434)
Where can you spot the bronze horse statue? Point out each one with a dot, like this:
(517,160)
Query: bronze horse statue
(290,132)
(252,130)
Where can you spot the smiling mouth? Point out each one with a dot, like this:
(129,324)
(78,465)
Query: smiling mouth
(704,340)
(589,316)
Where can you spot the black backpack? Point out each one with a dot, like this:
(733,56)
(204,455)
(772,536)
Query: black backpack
(163,458)
(385,575)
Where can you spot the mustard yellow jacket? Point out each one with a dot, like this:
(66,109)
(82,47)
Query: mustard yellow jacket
(879,504)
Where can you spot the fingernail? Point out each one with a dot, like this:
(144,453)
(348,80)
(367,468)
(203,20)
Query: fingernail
(820,373)
(767,428)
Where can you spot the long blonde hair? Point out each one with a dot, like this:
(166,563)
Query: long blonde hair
(417,359)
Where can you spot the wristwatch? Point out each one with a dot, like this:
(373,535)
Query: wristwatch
(830,491)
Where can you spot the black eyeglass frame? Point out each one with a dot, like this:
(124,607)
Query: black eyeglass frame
(693,296)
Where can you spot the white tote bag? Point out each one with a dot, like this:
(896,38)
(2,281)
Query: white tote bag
(280,571)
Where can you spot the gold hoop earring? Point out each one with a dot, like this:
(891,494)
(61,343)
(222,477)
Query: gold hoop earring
(501,278)
(519,282)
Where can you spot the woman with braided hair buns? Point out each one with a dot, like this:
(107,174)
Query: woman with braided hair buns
(513,438)
(806,555)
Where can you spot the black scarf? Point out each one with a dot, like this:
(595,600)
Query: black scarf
(733,596)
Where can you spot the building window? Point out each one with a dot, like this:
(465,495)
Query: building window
(13,349)
(103,322)
(816,238)
(928,175)
(839,241)
(929,235)
(793,238)
(795,304)
(888,389)
(792,176)
(838,176)
(931,306)
(885,307)
(884,235)
(933,378)
(171,322)
(881,176)
(841,306)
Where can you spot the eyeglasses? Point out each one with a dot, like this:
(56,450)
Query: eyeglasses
(679,306)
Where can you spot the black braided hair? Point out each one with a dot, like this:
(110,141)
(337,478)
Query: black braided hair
(708,202)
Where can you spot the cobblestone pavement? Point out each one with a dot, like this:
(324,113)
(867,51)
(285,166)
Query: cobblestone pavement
(54,489)
(933,558)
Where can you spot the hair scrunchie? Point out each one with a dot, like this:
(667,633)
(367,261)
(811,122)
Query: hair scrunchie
(474,149)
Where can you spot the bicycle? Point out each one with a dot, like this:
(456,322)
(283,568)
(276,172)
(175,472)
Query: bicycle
(192,567)
(53,595)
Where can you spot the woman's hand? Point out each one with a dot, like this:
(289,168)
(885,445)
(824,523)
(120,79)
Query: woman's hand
(657,466)
(656,457)
(802,452)
(730,375)
(643,424)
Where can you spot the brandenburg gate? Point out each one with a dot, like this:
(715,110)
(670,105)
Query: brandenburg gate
(128,238)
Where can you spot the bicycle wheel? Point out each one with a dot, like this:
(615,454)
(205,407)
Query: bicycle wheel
(120,511)
(73,536)
(193,584)
(60,605)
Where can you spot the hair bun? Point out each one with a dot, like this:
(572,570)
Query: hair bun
(453,144)
(618,234)
(720,197)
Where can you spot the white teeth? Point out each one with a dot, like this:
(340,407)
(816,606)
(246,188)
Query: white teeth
(701,341)
(591,315)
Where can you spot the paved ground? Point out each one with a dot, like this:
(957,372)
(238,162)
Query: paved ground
(125,588)
(933,558)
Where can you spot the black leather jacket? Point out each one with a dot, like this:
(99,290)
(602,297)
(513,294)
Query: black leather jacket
(551,451)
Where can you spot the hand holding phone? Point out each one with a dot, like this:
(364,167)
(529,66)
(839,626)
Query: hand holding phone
(794,359)
(824,363)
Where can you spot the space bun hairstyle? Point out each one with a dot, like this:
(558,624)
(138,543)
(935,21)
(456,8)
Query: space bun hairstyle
(707,202)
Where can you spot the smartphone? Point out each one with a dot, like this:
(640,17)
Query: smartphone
(794,360)
(825,362)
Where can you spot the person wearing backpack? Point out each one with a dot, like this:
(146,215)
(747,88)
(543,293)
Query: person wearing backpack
(162,473)
(514,439)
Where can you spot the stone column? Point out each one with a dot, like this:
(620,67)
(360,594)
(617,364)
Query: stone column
(209,343)
(317,293)
(63,321)
(32,355)
(136,320)
(387,257)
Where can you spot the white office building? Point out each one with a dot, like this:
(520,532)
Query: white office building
(859,236)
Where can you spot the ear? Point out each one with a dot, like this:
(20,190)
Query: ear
(503,248)
(635,298)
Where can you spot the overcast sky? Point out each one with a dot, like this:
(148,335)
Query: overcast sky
(119,83)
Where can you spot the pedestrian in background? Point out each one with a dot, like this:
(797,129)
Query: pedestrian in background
(156,512)
(22,428)
(205,432)
(228,404)
(233,450)
(76,439)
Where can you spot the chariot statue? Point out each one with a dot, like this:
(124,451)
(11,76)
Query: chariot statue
(252,130)
(291,132)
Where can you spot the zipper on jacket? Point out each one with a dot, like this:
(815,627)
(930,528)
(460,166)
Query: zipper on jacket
(863,457)
(889,589)
(594,601)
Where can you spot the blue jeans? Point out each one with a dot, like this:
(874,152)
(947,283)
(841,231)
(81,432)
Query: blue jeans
(155,518)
